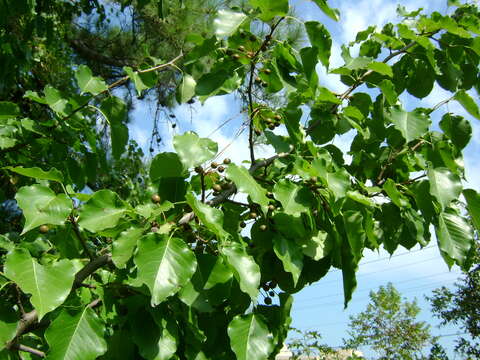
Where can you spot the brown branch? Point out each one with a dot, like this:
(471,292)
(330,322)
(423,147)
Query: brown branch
(25,348)
(202,182)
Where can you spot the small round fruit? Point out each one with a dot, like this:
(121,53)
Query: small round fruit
(241,48)
(253,37)
(264,84)
(268,71)
(268,301)
(43,229)
(221,169)
(214,165)
(263,227)
(236,56)
(278,117)
(272,284)
(227,161)
(151,150)
(242,225)
(198,169)
(156,198)
(258,80)
(270,195)
(217,187)
(313,179)
(269,121)
(174,126)
(271,293)
(252,215)
(265,287)
(154,229)
(271,126)
(271,207)
(258,132)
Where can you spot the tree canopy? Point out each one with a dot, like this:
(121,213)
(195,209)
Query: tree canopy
(106,256)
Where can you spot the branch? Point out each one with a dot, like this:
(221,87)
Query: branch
(360,81)
(25,348)
(224,195)
(253,64)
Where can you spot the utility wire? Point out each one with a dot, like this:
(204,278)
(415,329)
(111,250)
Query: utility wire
(364,290)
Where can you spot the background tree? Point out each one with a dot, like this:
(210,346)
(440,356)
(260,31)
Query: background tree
(460,307)
(389,327)
(108,257)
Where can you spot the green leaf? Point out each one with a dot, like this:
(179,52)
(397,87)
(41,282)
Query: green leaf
(137,80)
(321,39)
(353,221)
(455,236)
(294,199)
(247,184)
(381,68)
(8,110)
(388,90)
(115,111)
(468,103)
(318,246)
(473,205)
(457,128)
(55,100)
(210,83)
(186,90)
(249,337)
(123,246)
(338,183)
(290,253)
(164,265)
(445,186)
(102,211)
(412,125)
(270,8)
(245,269)
(7,332)
(166,165)
(193,150)
(49,285)
(227,22)
(333,14)
(395,195)
(76,336)
(89,83)
(211,217)
(37,173)
(41,205)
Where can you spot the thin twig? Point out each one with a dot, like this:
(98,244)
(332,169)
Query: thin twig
(202,182)
(25,348)
(19,300)
(82,240)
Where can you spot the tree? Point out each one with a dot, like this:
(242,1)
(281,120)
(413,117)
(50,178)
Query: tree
(460,307)
(388,325)
(105,257)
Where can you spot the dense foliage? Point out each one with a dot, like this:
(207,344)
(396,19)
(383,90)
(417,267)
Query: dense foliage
(102,259)
(389,326)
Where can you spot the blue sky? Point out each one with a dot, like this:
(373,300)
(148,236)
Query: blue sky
(414,274)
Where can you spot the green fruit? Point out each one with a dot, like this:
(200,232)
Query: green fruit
(156,198)
(217,187)
(252,215)
(263,227)
(43,229)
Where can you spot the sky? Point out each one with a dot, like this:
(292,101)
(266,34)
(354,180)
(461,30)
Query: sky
(415,273)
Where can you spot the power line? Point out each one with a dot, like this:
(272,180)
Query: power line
(366,298)
(364,290)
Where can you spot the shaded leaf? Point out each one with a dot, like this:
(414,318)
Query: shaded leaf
(245,269)
(211,217)
(115,111)
(123,246)
(137,80)
(294,199)
(186,90)
(457,128)
(290,254)
(473,205)
(333,14)
(166,165)
(468,103)
(321,39)
(8,110)
(270,8)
